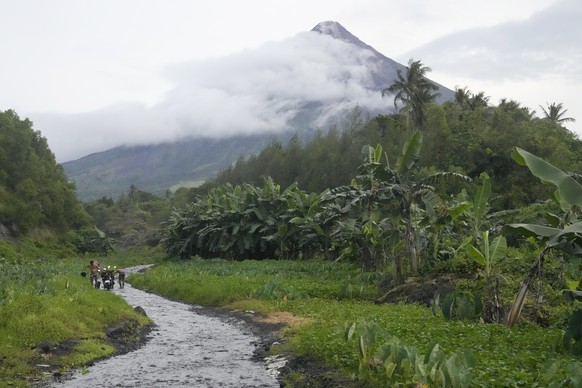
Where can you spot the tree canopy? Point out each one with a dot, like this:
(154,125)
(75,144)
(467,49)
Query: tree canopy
(34,191)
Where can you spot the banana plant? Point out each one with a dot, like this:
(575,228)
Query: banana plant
(488,258)
(472,212)
(564,234)
(387,197)
(490,253)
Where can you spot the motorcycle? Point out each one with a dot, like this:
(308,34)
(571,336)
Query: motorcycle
(107,278)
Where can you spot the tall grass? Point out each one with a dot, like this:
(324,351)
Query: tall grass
(218,282)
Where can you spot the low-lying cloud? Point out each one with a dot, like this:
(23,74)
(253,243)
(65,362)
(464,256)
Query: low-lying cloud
(251,91)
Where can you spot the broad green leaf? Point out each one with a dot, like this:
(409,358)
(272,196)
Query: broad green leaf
(378,153)
(368,151)
(552,219)
(399,246)
(297,220)
(574,229)
(362,347)
(459,210)
(482,196)
(498,248)
(466,241)
(476,255)
(570,190)
(282,230)
(564,205)
(410,153)
(350,332)
(572,284)
(390,367)
(533,230)
(572,233)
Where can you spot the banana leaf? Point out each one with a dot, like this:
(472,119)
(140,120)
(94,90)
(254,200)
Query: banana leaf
(569,189)
(410,153)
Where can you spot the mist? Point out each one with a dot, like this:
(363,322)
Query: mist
(249,92)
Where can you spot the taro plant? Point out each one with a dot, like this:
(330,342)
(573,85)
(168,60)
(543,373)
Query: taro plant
(561,374)
(461,305)
(572,339)
(385,360)
(563,234)
(276,290)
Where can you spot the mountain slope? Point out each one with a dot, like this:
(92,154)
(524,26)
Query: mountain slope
(280,99)
(157,168)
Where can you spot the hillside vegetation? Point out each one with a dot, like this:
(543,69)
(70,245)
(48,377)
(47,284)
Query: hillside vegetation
(34,192)
(461,136)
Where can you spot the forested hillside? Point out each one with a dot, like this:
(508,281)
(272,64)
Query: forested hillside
(34,192)
(466,135)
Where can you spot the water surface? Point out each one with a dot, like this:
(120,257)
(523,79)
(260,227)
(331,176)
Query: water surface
(185,349)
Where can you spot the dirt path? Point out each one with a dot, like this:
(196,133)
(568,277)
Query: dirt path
(185,349)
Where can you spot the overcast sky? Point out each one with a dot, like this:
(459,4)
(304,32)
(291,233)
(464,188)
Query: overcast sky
(94,74)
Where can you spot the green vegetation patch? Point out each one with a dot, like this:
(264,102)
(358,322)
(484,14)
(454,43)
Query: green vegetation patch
(520,356)
(50,315)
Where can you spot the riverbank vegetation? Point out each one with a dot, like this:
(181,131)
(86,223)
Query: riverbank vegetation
(52,319)
(335,299)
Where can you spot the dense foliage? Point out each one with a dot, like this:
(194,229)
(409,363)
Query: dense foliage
(133,220)
(34,192)
(462,136)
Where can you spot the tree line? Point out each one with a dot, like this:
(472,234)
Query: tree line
(466,136)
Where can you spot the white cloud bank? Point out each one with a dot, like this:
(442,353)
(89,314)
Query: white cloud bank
(251,91)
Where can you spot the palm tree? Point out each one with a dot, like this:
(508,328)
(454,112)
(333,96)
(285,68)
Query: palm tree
(555,113)
(467,99)
(414,91)
(478,101)
(462,96)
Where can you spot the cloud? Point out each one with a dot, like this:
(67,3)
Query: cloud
(549,42)
(252,91)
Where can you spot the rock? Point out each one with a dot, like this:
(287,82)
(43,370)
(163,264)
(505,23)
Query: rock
(45,346)
(140,310)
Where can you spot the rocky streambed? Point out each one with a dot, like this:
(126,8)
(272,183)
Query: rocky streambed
(188,347)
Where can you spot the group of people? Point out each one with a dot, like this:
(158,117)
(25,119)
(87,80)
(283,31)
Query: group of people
(99,275)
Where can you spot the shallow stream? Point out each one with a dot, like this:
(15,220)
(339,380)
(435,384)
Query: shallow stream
(185,349)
